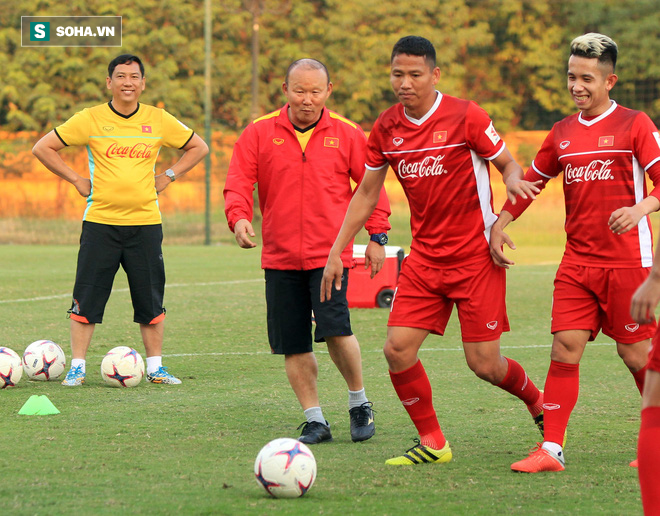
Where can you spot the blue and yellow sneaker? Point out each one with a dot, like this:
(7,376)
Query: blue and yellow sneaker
(75,376)
(162,376)
(420,454)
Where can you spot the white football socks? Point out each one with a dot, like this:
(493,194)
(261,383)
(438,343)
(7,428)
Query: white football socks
(75,362)
(315,414)
(552,447)
(154,363)
(356,398)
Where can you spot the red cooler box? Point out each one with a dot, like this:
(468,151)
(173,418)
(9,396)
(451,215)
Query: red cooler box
(364,292)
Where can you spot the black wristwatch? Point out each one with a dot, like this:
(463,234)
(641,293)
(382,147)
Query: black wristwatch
(380,238)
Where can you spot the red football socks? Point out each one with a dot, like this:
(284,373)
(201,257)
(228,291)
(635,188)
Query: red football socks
(648,453)
(414,390)
(560,396)
(519,384)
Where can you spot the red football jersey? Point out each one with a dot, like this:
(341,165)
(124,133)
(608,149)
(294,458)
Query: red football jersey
(603,160)
(441,161)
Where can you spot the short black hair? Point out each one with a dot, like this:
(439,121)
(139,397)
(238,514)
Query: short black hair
(125,59)
(415,46)
(595,46)
(309,64)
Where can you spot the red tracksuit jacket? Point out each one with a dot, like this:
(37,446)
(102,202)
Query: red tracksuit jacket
(303,196)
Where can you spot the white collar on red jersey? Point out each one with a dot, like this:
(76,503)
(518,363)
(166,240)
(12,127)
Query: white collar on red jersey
(591,122)
(434,107)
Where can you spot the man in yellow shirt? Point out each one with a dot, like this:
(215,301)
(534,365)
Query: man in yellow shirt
(122,222)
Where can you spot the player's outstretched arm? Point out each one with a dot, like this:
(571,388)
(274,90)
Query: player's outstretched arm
(513,177)
(47,151)
(498,238)
(360,208)
(624,219)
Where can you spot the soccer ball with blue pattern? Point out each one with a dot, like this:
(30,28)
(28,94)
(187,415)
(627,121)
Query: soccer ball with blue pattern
(285,468)
(43,360)
(122,367)
(11,368)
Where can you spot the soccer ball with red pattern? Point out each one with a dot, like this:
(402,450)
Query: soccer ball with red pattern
(122,367)
(43,360)
(11,368)
(285,468)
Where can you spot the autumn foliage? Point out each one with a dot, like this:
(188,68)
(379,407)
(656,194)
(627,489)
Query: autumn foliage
(30,190)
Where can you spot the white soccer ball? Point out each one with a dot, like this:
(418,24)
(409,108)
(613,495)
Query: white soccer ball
(122,367)
(11,368)
(43,360)
(285,468)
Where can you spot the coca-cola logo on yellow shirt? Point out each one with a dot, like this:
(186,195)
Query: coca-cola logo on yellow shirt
(138,150)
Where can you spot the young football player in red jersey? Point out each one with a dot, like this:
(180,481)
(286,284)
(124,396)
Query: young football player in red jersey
(642,309)
(603,151)
(439,147)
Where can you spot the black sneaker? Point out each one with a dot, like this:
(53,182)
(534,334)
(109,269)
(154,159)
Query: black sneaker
(315,433)
(362,422)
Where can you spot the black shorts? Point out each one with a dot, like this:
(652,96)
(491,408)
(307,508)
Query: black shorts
(102,249)
(291,296)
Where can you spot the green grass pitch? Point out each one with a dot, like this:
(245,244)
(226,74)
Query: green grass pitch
(190,449)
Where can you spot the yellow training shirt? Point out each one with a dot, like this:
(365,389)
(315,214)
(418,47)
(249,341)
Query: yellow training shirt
(122,153)
(303,138)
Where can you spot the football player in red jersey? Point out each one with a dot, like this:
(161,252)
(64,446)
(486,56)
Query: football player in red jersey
(440,148)
(604,151)
(642,309)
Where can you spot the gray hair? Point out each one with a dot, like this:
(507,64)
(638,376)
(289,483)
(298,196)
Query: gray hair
(595,46)
(308,64)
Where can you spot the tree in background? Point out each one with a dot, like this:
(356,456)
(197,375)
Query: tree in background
(508,55)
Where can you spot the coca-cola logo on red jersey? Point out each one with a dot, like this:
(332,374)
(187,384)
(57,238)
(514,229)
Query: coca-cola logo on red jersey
(597,170)
(138,150)
(429,166)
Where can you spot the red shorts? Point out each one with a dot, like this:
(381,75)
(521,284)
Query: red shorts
(654,354)
(591,298)
(425,296)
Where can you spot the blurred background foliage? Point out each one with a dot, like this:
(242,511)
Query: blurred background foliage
(508,55)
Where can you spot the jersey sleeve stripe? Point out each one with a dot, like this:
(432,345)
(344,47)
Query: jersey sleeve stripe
(193,134)
(652,163)
(539,172)
(61,139)
(491,158)
(371,167)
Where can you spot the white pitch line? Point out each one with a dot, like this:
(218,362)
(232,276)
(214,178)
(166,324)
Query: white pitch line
(172,285)
(255,353)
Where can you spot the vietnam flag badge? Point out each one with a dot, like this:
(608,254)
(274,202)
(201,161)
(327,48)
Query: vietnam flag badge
(331,141)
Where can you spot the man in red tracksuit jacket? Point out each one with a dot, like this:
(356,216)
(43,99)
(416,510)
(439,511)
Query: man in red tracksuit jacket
(303,158)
